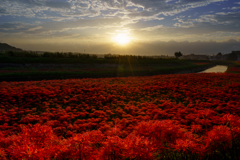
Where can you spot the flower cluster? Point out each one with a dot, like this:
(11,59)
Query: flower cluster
(234,70)
(121,118)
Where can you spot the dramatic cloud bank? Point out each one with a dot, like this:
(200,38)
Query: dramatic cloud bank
(155,26)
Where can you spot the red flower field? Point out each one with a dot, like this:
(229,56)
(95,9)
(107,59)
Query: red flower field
(182,116)
(234,70)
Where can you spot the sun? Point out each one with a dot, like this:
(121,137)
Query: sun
(122,38)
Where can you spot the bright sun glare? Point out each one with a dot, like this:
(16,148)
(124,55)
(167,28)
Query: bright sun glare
(122,38)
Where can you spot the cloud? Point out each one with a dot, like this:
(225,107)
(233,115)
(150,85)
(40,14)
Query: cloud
(152,28)
(2,10)
(14,27)
(235,8)
(51,27)
(56,4)
(219,22)
(143,9)
(229,18)
(205,27)
(34,8)
(27,3)
(113,4)
(40,3)
(35,28)
(147,19)
(13,9)
(158,7)
(89,13)
(143,15)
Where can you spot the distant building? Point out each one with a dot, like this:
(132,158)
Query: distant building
(212,58)
(223,58)
(162,56)
(195,57)
(238,57)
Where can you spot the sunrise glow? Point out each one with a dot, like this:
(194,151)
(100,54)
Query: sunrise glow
(122,38)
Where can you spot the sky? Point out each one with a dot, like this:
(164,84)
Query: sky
(135,27)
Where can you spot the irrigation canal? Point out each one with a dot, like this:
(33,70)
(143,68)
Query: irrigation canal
(216,69)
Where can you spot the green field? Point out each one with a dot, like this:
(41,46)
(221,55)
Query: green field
(18,66)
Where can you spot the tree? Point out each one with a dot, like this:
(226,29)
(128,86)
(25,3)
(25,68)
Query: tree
(219,56)
(232,56)
(178,54)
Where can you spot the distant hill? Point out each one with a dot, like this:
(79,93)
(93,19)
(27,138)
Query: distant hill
(6,47)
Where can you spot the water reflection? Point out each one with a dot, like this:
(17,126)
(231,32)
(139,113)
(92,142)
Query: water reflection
(216,69)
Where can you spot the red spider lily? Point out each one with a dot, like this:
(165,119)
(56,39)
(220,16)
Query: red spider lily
(3,154)
(161,132)
(114,149)
(187,146)
(196,128)
(189,112)
(83,146)
(38,142)
(219,135)
(139,147)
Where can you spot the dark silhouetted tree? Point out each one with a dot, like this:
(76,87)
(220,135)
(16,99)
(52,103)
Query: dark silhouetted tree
(232,56)
(219,56)
(178,54)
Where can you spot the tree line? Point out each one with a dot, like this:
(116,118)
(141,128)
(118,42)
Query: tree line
(108,56)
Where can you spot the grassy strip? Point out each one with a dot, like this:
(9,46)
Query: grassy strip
(117,72)
(134,60)
(10,71)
